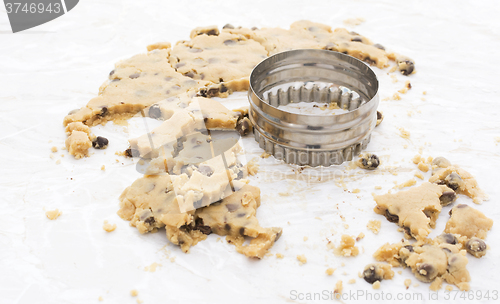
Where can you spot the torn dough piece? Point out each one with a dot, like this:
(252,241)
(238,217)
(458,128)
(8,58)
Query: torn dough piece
(415,210)
(462,181)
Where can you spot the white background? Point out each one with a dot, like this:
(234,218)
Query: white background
(49,70)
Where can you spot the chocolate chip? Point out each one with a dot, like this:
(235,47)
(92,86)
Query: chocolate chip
(370,61)
(476,247)
(104,111)
(195,50)
(73,111)
(228,26)
(407,230)
(454,181)
(406,67)
(150,220)
(369,162)
(391,217)
(134,76)
(253,28)
(426,272)
(168,78)
(447,198)
(379,115)
(244,126)
(180,65)
(154,111)
(229,42)
(189,74)
(115,80)
(379,46)
(131,152)
(241,214)
(100,142)
(353,33)
(370,274)
(205,170)
(232,207)
(112,72)
(198,204)
(223,88)
(242,231)
(448,238)
(441,162)
(227,227)
(409,247)
(356,39)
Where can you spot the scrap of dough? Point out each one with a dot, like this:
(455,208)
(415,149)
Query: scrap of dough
(469,187)
(469,222)
(53,214)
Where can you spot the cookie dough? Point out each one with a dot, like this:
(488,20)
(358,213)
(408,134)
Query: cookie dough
(416,209)
(224,59)
(78,144)
(368,161)
(377,272)
(150,203)
(469,222)
(458,179)
(346,247)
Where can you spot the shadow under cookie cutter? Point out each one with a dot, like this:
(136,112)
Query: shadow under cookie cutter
(322,76)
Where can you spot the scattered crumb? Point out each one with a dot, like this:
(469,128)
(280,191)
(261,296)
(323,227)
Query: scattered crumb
(284,193)
(53,149)
(346,226)
(140,301)
(100,299)
(356,191)
(152,267)
(53,214)
(353,21)
(103,168)
(424,92)
(108,227)
(265,155)
(449,287)
(497,139)
(279,256)
(378,187)
(50,140)
(51,156)
(419,175)
(374,226)
(405,146)
(423,99)
(416,285)
(423,167)
(400,272)
(346,247)
(58,162)
(62,155)
(393,69)
(405,89)
(394,78)
(360,236)
(338,289)
(330,271)
(172,259)
(407,283)
(408,183)
(436,284)
(404,134)
(351,281)
(134,292)
(318,218)
(396,96)
(376,285)
(343,264)
(305,238)
(360,274)
(302,259)
(252,167)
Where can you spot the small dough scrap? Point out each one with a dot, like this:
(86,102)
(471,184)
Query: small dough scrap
(346,247)
(78,126)
(53,214)
(416,209)
(78,144)
(108,227)
(374,226)
(302,259)
(377,272)
(469,222)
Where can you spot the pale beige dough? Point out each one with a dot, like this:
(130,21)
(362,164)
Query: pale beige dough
(416,209)
(469,222)
(469,186)
(78,144)
(53,214)
(347,247)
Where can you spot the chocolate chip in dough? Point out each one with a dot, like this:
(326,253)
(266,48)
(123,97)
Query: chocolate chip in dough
(441,162)
(154,111)
(228,26)
(476,247)
(380,117)
(131,152)
(447,238)
(370,274)
(134,76)
(199,225)
(229,42)
(244,126)
(150,220)
(426,272)
(205,170)
(447,198)
(111,73)
(104,112)
(406,67)
(369,161)
(100,142)
(379,46)
(391,217)
(454,181)
(357,39)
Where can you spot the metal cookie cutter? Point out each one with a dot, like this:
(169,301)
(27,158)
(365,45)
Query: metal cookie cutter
(311,75)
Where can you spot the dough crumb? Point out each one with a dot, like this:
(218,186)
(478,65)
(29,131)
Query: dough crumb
(376,285)
(356,191)
(378,187)
(139,301)
(423,167)
(265,155)
(374,226)
(53,214)
(103,167)
(353,21)
(404,134)
(351,281)
(108,227)
(338,290)
(346,247)
(302,259)
(100,299)
(417,159)
(134,292)
(396,96)
(279,256)
(152,267)
(305,238)
(400,272)
(408,183)
(407,283)
(330,271)
(53,149)
(360,236)
(449,287)
(58,162)
(252,167)
(419,175)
